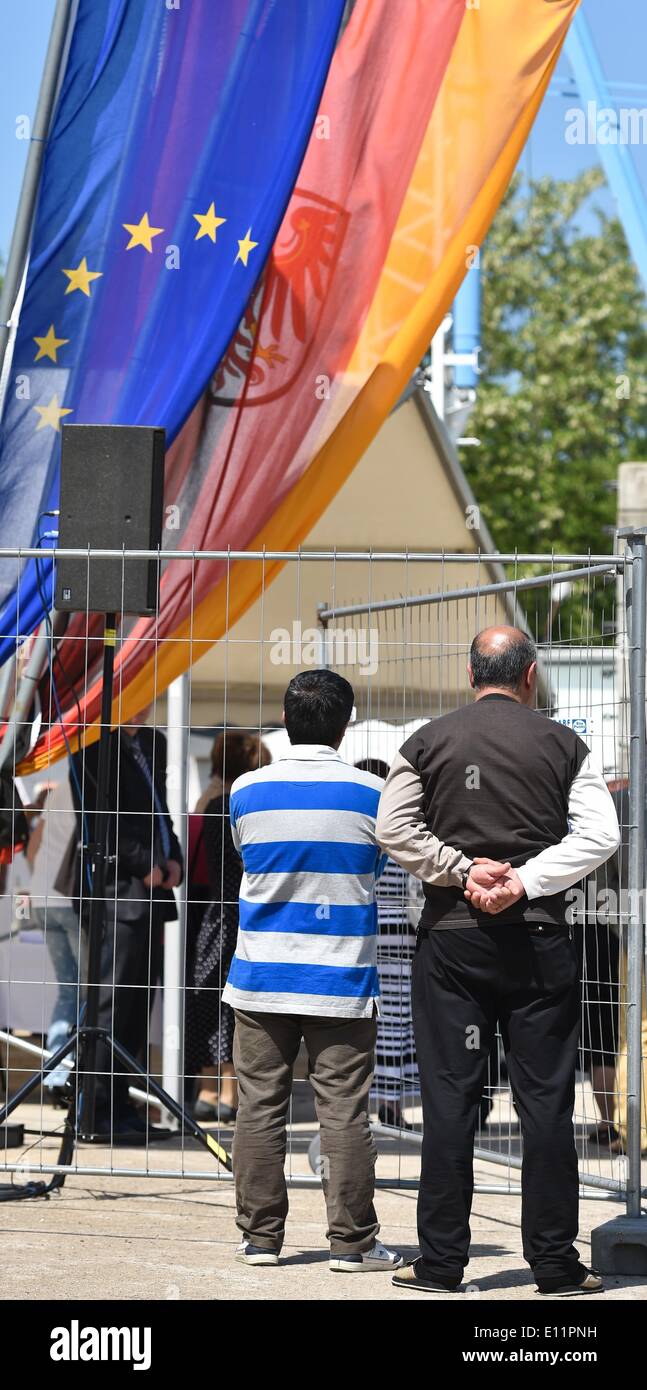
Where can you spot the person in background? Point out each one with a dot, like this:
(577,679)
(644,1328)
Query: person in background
(305,967)
(598,949)
(214,785)
(144,866)
(56,915)
(210,1022)
(611,1075)
(197,897)
(396,1070)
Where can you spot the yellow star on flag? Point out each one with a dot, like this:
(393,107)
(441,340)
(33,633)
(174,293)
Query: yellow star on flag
(208,223)
(51,414)
(141,233)
(49,345)
(80,278)
(245,246)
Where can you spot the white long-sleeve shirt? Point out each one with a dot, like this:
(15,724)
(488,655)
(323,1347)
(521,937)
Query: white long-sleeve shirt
(593,835)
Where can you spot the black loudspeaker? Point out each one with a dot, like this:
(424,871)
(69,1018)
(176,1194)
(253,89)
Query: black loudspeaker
(112,493)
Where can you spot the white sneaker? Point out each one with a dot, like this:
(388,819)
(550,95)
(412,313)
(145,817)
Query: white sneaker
(249,1254)
(379,1258)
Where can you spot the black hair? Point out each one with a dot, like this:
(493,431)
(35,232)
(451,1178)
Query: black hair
(504,667)
(318,706)
(375,765)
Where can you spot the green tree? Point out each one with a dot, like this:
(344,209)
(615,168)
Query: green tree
(563,396)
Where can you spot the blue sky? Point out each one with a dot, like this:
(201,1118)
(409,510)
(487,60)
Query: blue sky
(619,28)
(25,31)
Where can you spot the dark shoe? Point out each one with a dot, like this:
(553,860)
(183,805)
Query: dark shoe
(583,1280)
(249,1254)
(116,1129)
(204,1110)
(378,1258)
(132,1120)
(410,1278)
(207,1114)
(125,1125)
(58,1096)
(606,1136)
(129,1118)
(391,1115)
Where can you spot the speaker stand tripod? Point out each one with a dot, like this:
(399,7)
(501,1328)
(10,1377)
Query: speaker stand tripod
(80,1118)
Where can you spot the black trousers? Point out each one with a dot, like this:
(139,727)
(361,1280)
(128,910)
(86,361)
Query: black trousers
(131,965)
(463,981)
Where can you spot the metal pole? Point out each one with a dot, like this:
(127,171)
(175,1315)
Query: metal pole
(637,633)
(7,675)
(444,557)
(438,369)
(502,586)
(177,718)
(98,854)
(29,679)
(29,192)
(322,628)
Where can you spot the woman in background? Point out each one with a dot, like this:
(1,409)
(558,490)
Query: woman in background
(214,785)
(397,895)
(210,1023)
(53,823)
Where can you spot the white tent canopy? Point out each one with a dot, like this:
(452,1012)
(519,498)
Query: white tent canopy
(369,738)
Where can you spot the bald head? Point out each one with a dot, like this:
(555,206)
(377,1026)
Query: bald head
(503,658)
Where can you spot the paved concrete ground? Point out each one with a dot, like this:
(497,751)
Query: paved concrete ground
(151,1237)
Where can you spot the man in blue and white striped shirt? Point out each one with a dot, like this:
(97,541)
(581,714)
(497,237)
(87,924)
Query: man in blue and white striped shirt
(306,967)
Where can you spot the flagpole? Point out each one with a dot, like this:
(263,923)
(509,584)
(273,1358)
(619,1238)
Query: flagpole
(21,237)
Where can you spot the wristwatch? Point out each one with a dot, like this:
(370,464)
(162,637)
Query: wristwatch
(464,877)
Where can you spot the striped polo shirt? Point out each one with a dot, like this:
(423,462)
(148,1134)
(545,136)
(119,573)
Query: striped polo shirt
(307,935)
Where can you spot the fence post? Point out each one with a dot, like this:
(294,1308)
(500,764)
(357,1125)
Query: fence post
(620,1246)
(175,932)
(322,627)
(636,875)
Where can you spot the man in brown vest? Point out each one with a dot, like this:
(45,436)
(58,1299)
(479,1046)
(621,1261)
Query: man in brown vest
(498,810)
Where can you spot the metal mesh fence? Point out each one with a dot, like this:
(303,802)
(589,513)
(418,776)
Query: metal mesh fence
(578,626)
(400,628)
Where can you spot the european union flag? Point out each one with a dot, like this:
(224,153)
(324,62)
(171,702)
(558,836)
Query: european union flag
(178,135)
